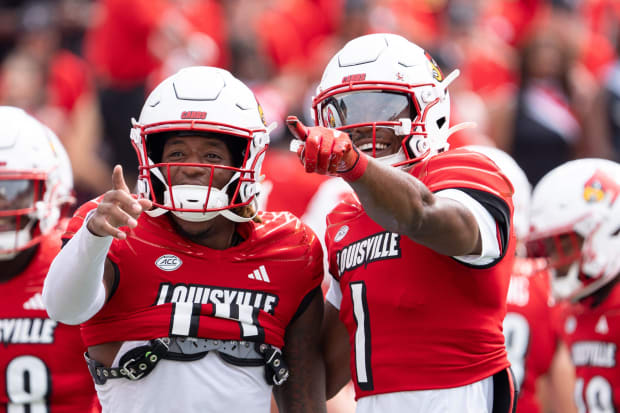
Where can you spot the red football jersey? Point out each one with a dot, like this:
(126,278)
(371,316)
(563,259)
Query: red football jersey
(592,336)
(417,319)
(531,337)
(41,361)
(167,285)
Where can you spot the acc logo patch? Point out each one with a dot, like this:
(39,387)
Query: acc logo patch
(341,233)
(436,71)
(168,262)
(599,186)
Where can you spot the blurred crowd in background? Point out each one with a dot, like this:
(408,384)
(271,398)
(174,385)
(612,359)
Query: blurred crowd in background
(541,78)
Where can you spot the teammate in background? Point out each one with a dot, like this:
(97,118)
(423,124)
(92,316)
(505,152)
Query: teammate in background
(41,360)
(421,255)
(539,360)
(575,220)
(202,303)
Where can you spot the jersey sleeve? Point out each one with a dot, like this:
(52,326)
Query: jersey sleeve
(79,217)
(476,175)
(76,222)
(486,225)
(309,281)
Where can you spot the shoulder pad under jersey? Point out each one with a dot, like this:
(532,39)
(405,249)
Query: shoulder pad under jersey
(346,209)
(462,168)
(79,216)
(280,229)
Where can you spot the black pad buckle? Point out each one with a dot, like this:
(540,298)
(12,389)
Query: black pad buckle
(134,364)
(276,370)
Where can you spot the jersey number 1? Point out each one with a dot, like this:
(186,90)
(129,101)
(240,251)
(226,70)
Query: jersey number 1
(362,335)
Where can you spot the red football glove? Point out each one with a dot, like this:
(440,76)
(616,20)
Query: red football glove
(327,151)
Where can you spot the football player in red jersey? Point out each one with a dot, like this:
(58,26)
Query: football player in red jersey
(539,360)
(575,221)
(41,360)
(421,255)
(201,303)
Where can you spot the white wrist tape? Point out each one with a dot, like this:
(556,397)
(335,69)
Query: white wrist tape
(73,291)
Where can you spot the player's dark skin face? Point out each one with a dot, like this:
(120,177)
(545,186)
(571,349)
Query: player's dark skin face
(216,232)
(570,246)
(15,195)
(387,142)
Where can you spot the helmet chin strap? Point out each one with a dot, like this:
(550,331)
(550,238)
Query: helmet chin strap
(193,196)
(12,241)
(394,158)
(564,287)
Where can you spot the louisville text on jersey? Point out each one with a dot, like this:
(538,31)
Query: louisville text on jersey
(594,353)
(207,294)
(27,330)
(382,246)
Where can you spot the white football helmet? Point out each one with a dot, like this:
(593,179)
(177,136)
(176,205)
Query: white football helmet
(522,188)
(575,220)
(385,81)
(36,181)
(202,100)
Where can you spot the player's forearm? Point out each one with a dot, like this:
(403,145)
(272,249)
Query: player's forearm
(304,391)
(336,351)
(562,379)
(73,291)
(402,204)
(392,198)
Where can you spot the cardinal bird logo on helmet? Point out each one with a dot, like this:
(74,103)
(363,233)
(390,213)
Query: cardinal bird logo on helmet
(437,73)
(600,187)
(261,113)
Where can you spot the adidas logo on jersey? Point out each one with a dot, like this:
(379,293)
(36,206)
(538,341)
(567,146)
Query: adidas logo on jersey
(259,274)
(34,303)
(601,326)
(382,246)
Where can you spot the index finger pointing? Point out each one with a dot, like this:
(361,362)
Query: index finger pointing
(298,129)
(118,181)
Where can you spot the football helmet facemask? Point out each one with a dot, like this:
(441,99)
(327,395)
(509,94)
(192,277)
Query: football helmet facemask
(36,181)
(201,101)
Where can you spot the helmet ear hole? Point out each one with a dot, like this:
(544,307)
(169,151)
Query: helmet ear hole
(416,147)
(441,121)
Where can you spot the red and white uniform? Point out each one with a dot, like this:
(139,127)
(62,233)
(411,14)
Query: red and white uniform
(169,286)
(41,361)
(531,337)
(592,336)
(419,320)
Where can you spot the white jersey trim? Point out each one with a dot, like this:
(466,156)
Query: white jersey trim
(486,224)
(472,398)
